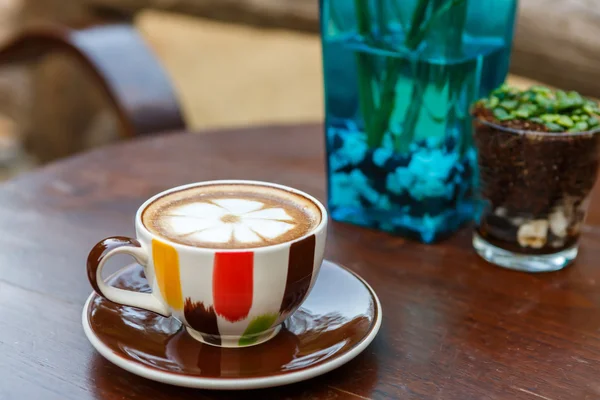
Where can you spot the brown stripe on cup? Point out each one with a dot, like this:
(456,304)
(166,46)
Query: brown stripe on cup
(299,276)
(202,319)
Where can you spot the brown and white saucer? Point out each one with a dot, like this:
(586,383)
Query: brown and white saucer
(338,320)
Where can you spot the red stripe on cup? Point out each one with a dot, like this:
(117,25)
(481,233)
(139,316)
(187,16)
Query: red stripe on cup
(232,285)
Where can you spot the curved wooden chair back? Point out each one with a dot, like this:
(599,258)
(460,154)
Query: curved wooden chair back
(124,66)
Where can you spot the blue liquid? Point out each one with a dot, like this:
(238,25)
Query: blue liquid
(417,178)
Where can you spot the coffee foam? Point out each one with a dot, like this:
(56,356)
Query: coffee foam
(231,216)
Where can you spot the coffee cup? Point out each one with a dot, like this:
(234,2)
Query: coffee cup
(230,259)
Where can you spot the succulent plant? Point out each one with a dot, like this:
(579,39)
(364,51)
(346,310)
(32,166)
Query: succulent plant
(557,110)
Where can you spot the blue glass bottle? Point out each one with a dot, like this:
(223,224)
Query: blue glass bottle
(400,76)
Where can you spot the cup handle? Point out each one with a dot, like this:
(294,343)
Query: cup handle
(98,257)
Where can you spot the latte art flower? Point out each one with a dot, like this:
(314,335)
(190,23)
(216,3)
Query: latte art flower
(225,220)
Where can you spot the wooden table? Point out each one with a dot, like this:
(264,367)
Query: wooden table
(454,327)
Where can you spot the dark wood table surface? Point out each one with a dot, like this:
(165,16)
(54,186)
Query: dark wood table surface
(454,327)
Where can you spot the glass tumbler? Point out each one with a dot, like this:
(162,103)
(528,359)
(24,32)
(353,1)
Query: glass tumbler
(535,189)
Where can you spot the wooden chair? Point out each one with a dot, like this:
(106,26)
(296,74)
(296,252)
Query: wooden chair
(122,64)
(116,58)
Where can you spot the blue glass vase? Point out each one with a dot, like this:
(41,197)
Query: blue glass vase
(400,76)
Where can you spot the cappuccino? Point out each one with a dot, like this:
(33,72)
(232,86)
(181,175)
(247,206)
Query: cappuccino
(231,216)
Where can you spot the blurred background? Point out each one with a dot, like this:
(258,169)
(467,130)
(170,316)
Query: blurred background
(232,63)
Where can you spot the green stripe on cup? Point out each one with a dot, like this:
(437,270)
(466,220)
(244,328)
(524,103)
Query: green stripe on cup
(256,326)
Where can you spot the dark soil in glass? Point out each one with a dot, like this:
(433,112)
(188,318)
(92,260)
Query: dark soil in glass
(535,184)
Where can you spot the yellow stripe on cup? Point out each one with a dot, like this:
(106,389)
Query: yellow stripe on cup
(166,268)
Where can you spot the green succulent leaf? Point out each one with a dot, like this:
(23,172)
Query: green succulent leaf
(565,121)
(580,127)
(501,114)
(509,104)
(554,127)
